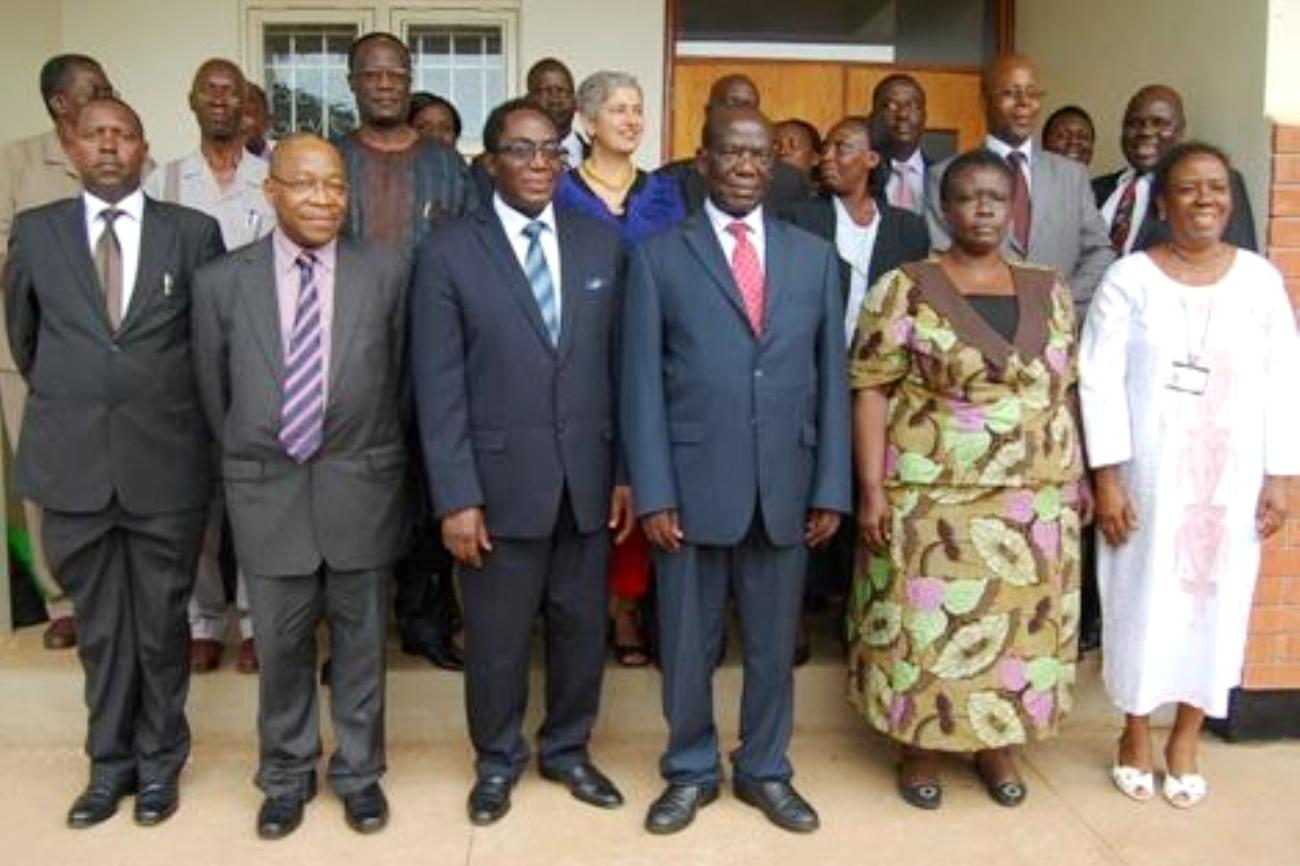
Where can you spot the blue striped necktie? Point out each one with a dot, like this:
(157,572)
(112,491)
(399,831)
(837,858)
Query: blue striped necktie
(303,408)
(539,278)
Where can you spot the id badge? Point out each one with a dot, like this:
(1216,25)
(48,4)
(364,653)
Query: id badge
(1189,378)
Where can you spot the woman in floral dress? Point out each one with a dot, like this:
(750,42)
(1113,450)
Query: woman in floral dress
(964,614)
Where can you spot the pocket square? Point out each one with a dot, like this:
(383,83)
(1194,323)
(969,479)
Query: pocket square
(595,284)
(167,284)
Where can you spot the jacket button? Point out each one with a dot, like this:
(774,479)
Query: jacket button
(758,374)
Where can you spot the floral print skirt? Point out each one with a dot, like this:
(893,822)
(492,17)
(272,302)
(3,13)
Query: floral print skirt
(964,637)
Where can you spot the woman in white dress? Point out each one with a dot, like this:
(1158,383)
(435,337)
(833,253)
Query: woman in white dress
(1189,356)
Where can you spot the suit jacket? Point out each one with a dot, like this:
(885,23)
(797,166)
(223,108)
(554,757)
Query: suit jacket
(1240,230)
(110,415)
(901,237)
(345,506)
(718,422)
(508,421)
(789,185)
(1066,231)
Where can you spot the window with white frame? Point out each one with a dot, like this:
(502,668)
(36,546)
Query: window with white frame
(464,64)
(306,74)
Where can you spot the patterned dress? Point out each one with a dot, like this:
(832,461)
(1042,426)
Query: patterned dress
(964,634)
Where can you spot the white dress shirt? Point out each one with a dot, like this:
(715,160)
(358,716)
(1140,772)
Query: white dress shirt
(855,244)
(1141,201)
(514,224)
(1002,149)
(753,219)
(573,149)
(913,169)
(127,226)
(241,209)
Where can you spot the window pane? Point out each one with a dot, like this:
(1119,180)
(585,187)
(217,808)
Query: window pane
(464,63)
(306,70)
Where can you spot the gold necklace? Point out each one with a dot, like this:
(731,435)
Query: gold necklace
(619,187)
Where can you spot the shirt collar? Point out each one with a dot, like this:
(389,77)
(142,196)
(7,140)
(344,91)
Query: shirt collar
(132,205)
(916,161)
(842,217)
(287,252)
(1002,149)
(196,164)
(514,221)
(720,220)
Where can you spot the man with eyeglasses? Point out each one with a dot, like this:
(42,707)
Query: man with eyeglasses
(514,342)
(34,171)
(225,182)
(735,421)
(299,351)
(1055,221)
(403,187)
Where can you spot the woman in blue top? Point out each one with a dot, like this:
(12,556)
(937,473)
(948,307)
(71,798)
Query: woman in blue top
(609,186)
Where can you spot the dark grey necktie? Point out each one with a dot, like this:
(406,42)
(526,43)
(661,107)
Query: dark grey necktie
(108,264)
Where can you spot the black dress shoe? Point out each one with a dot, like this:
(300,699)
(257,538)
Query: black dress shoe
(280,815)
(95,804)
(489,799)
(442,652)
(366,811)
(587,784)
(676,807)
(780,802)
(156,802)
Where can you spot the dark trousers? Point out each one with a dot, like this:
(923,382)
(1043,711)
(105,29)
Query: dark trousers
(286,611)
(563,578)
(693,585)
(129,577)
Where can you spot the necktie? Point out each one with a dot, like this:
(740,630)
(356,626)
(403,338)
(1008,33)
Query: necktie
(108,263)
(903,195)
(1123,221)
(1019,200)
(748,273)
(302,411)
(539,278)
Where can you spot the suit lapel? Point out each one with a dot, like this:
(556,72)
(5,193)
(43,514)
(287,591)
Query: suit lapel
(257,284)
(704,245)
(349,304)
(778,270)
(1040,178)
(886,245)
(156,237)
(502,255)
(570,281)
(71,228)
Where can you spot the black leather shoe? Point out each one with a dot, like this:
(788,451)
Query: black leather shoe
(95,804)
(676,807)
(366,811)
(489,799)
(442,652)
(156,802)
(280,815)
(780,802)
(587,784)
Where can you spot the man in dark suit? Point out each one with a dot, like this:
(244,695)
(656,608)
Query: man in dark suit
(898,107)
(1055,222)
(298,345)
(514,319)
(1153,123)
(788,184)
(114,447)
(735,409)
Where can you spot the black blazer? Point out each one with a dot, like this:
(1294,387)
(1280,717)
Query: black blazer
(789,185)
(901,238)
(1239,232)
(111,415)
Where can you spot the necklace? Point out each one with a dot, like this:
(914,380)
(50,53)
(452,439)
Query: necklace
(617,187)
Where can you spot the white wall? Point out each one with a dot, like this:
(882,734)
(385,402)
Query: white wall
(1282,84)
(29,36)
(1097,53)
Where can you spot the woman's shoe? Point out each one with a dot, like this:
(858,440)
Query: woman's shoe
(1185,791)
(921,793)
(1004,792)
(1138,785)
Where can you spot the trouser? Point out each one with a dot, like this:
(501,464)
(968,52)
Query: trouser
(563,577)
(425,601)
(209,606)
(129,576)
(692,588)
(286,611)
(13,398)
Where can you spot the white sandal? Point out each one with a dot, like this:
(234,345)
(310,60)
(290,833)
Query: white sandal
(1138,785)
(1185,791)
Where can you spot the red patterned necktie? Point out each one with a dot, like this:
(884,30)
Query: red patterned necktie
(1020,203)
(1123,221)
(748,273)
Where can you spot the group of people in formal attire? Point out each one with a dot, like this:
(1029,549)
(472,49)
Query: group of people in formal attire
(589,386)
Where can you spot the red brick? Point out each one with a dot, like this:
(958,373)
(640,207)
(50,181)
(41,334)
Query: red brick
(1266,649)
(1270,590)
(1286,261)
(1286,139)
(1284,232)
(1291,652)
(1286,168)
(1292,594)
(1278,559)
(1280,676)
(1285,200)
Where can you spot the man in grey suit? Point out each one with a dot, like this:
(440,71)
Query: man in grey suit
(114,447)
(298,348)
(1055,221)
(736,427)
(514,327)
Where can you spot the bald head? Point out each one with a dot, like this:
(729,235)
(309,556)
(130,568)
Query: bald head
(733,91)
(1012,98)
(1153,124)
(308,188)
(296,147)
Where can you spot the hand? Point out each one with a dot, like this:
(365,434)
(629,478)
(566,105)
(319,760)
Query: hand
(1114,511)
(663,530)
(1270,512)
(1087,502)
(621,519)
(465,534)
(821,526)
(875,519)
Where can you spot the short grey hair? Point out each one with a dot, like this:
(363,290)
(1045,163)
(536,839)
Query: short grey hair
(597,88)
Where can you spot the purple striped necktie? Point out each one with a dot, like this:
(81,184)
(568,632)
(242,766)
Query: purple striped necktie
(302,411)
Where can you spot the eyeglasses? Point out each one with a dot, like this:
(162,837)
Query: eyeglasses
(305,186)
(526,150)
(1021,94)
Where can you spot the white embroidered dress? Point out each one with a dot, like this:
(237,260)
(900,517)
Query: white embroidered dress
(1176,596)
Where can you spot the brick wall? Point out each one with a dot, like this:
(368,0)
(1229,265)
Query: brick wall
(1273,652)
